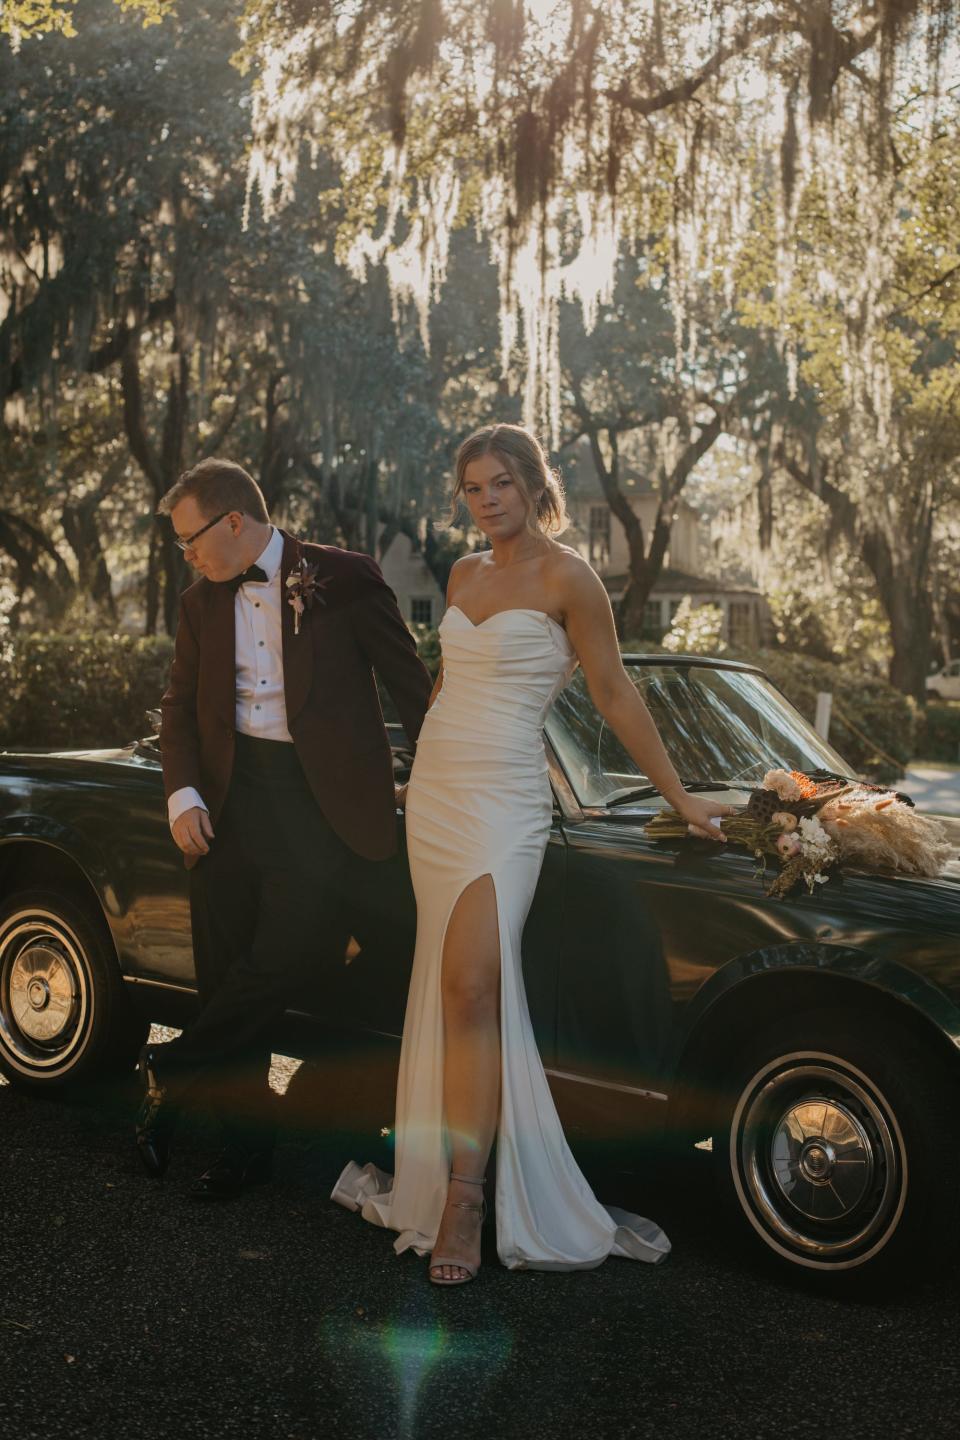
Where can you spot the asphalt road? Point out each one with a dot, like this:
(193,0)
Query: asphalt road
(933,787)
(127,1310)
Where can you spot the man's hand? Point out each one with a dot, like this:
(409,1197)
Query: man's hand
(401,796)
(192,831)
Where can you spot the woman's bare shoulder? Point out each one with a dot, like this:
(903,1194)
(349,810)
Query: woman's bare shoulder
(466,562)
(570,571)
(461,569)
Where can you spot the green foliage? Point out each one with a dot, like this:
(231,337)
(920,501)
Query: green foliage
(80,690)
(938,732)
(22,19)
(428,647)
(695,630)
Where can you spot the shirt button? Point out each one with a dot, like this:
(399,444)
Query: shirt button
(256,604)
(261,642)
(256,707)
(263,682)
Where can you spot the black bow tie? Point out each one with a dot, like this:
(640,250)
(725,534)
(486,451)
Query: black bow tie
(253,572)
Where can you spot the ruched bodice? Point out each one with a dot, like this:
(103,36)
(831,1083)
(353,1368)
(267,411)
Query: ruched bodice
(479,803)
(500,677)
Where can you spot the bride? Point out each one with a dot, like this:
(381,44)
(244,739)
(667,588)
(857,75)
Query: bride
(520,616)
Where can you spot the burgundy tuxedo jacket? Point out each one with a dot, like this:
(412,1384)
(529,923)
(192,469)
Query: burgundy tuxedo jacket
(333,713)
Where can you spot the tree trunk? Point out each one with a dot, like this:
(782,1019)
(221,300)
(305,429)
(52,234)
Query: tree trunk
(645,563)
(153,581)
(910,612)
(903,584)
(79,522)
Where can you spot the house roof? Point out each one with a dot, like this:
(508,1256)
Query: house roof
(679,582)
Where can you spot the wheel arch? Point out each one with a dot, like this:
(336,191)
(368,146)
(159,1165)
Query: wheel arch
(50,859)
(757,988)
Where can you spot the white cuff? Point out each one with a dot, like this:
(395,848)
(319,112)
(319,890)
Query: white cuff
(180,800)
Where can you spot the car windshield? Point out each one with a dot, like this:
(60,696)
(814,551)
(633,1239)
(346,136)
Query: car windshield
(717,724)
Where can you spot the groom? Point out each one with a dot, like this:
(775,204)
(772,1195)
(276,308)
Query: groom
(277,769)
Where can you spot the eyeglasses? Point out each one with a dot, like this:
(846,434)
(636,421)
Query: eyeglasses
(191,539)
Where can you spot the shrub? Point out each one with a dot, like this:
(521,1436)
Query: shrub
(938,732)
(695,630)
(80,690)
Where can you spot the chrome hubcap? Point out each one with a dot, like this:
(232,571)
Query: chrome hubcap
(821,1159)
(44,992)
(818,1161)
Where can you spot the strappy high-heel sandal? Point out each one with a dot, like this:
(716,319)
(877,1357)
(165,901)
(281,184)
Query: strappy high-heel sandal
(436,1261)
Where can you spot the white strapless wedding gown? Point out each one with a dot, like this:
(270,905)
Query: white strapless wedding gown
(479,803)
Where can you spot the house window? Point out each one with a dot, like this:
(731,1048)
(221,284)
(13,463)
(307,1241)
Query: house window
(599,534)
(652,621)
(739,627)
(421,610)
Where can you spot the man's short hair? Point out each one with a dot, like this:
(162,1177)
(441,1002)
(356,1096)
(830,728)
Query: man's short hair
(218,486)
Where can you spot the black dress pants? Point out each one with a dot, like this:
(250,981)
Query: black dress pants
(264,906)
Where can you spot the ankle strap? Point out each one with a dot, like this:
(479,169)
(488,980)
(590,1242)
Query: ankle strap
(468,1179)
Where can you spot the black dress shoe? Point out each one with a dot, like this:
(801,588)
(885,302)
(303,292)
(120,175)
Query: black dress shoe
(155,1118)
(232,1173)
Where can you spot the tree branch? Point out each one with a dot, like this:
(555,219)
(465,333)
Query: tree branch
(686,89)
(921,294)
(112,350)
(133,418)
(849,46)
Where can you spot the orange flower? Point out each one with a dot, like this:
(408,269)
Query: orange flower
(806,786)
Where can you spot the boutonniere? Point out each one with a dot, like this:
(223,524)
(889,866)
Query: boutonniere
(303,587)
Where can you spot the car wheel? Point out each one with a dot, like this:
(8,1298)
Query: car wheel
(833,1147)
(934,694)
(63,1012)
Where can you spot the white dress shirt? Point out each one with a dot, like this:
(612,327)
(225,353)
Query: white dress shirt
(261,709)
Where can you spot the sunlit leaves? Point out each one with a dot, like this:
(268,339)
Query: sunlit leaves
(23,19)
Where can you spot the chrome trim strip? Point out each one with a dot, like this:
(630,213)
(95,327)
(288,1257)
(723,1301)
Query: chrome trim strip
(159,984)
(606,1084)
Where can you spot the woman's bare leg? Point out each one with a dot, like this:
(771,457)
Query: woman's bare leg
(470,988)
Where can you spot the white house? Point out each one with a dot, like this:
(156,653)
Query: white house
(419,596)
(600,538)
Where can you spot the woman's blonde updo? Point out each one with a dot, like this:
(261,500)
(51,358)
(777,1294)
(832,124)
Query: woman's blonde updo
(523,456)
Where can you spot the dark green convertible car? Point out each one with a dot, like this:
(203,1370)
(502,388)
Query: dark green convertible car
(812,1042)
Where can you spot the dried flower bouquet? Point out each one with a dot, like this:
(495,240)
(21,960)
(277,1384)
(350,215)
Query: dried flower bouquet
(812,827)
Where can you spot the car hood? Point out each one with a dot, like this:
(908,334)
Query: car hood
(627,828)
(114,755)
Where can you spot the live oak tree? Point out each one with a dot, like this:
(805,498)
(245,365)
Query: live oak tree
(140,306)
(874,434)
(622,391)
(568,133)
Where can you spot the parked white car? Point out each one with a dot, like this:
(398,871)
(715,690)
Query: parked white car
(944,684)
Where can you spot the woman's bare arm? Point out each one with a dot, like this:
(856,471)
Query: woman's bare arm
(589,623)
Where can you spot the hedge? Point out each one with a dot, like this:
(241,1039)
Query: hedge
(938,732)
(80,691)
(91,690)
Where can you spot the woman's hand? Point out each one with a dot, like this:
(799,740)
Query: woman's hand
(401,796)
(697,811)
